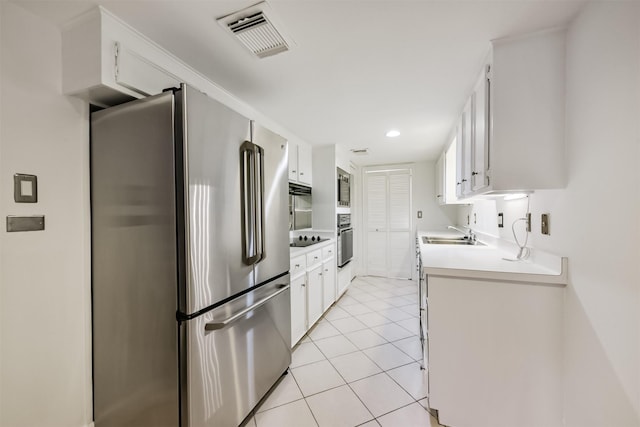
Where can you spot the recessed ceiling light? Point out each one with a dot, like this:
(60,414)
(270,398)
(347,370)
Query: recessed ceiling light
(393,133)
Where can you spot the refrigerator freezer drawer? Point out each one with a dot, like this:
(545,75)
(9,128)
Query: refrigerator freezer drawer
(235,354)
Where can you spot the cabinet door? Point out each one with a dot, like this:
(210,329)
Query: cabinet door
(467,145)
(314,295)
(440,180)
(293,161)
(298,309)
(450,171)
(481,133)
(329,282)
(459,156)
(304,164)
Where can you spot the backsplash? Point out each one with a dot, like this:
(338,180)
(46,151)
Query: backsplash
(482,216)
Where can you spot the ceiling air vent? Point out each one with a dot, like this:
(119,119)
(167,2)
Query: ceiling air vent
(254,27)
(360,151)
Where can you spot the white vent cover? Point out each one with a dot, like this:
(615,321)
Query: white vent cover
(254,27)
(360,151)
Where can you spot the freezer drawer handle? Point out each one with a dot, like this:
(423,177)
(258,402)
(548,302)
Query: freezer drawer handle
(214,326)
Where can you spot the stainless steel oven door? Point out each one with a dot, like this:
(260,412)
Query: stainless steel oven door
(345,246)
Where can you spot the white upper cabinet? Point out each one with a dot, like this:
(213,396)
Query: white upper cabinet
(510,136)
(304,164)
(300,163)
(293,161)
(480,146)
(527,110)
(440,180)
(107,63)
(467,144)
(463,160)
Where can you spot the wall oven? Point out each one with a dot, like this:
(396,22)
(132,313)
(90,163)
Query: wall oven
(345,239)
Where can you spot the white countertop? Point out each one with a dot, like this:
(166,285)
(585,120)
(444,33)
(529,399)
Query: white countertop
(294,252)
(486,262)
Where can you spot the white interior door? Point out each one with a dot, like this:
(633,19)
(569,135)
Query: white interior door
(388,223)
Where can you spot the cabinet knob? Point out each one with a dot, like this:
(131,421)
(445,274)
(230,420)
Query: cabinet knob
(464,180)
(315,257)
(301,173)
(297,266)
(458,183)
(293,171)
(304,286)
(475,173)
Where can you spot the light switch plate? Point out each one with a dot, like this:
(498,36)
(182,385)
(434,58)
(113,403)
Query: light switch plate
(419,214)
(25,188)
(25,223)
(544,224)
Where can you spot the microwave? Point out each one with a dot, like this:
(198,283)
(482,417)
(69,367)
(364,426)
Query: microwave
(344,188)
(300,207)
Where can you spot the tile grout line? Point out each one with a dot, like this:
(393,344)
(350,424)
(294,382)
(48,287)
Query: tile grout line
(348,315)
(383,371)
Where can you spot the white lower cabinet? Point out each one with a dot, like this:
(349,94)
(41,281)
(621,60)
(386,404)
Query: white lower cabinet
(314,295)
(313,288)
(298,308)
(495,352)
(329,282)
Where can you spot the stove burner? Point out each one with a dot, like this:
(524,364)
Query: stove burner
(304,241)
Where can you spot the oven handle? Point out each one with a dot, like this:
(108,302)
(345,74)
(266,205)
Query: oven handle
(344,230)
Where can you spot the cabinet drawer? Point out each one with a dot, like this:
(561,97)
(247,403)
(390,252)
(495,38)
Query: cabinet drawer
(328,252)
(314,257)
(298,266)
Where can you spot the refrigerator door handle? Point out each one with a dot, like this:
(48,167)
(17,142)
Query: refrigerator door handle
(214,326)
(259,182)
(250,253)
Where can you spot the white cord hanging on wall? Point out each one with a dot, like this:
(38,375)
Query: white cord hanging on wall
(523,250)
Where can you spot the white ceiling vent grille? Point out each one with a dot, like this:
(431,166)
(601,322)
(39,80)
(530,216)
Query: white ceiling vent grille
(254,27)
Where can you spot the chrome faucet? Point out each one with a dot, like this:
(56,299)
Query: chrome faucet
(468,234)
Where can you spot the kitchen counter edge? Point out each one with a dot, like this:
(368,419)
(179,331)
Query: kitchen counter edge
(487,263)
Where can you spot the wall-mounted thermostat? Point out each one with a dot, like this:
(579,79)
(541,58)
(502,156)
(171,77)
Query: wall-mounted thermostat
(25,188)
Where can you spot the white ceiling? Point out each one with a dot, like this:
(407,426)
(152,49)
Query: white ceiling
(359,67)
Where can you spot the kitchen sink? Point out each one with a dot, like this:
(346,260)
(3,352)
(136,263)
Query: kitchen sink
(450,241)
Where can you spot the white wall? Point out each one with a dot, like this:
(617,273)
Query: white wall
(595,221)
(434,216)
(45,362)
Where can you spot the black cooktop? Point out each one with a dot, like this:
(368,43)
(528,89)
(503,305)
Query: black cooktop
(303,241)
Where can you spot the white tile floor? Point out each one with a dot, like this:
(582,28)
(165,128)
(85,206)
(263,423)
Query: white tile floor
(359,366)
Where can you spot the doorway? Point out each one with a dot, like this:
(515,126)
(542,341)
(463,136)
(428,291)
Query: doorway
(387,222)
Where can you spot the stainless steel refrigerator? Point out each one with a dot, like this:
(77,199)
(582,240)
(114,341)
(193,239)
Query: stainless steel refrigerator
(190,260)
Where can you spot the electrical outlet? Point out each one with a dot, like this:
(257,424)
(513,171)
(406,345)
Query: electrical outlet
(544,224)
(529,222)
(419,214)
